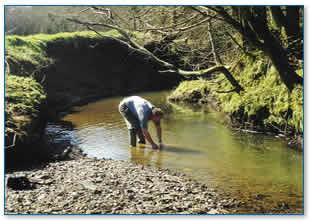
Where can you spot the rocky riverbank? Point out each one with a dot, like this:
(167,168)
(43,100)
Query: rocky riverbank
(99,186)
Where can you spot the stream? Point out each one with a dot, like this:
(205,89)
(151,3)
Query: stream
(253,168)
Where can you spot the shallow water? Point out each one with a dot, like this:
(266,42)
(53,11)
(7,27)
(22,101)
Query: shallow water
(251,167)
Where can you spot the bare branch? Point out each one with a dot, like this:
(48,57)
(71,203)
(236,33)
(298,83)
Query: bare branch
(115,14)
(84,10)
(170,68)
(168,27)
(7,66)
(194,25)
(226,92)
(152,28)
(144,13)
(216,56)
(124,33)
(205,13)
(14,142)
(236,42)
(102,11)
(207,72)
(176,30)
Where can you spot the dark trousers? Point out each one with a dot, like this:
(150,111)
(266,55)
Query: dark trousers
(133,126)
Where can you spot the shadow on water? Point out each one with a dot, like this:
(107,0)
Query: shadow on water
(177,149)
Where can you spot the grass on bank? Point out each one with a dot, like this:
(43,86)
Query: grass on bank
(25,56)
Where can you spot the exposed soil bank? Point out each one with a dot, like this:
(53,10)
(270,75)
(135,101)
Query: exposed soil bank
(73,69)
(88,69)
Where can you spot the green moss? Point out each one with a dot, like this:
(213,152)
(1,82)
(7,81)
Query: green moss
(23,97)
(23,90)
(265,100)
(26,56)
(28,53)
(189,91)
(264,91)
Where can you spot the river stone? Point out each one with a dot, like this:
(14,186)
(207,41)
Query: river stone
(19,183)
(99,186)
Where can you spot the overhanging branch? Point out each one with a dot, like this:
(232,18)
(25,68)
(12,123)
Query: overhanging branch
(207,72)
(166,67)
(124,33)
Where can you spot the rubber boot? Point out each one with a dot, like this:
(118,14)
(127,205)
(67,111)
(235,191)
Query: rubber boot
(132,137)
(141,137)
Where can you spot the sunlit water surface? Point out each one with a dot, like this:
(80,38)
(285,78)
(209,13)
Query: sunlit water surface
(198,144)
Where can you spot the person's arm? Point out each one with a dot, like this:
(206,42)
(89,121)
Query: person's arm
(149,139)
(159,134)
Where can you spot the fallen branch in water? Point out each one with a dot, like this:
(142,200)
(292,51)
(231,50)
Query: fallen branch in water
(247,131)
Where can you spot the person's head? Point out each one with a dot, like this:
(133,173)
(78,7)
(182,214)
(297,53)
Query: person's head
(157,114)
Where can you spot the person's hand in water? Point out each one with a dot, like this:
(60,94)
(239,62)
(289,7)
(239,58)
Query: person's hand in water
(154,146)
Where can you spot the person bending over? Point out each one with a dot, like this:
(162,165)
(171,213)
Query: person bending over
(136,112)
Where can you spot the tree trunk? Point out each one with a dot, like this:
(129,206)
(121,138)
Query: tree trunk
(254,25)
(274,49)
(292,21)
(280,60)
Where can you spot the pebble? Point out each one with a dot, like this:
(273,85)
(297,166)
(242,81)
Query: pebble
(99,186)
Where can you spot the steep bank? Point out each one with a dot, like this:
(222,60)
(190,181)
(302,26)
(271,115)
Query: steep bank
(25,104)
(266,105)
(87,68)
(68,69)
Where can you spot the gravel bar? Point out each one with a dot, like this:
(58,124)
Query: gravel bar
(100,186)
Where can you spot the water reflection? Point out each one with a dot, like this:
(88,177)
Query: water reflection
(196,143)
(146,156)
